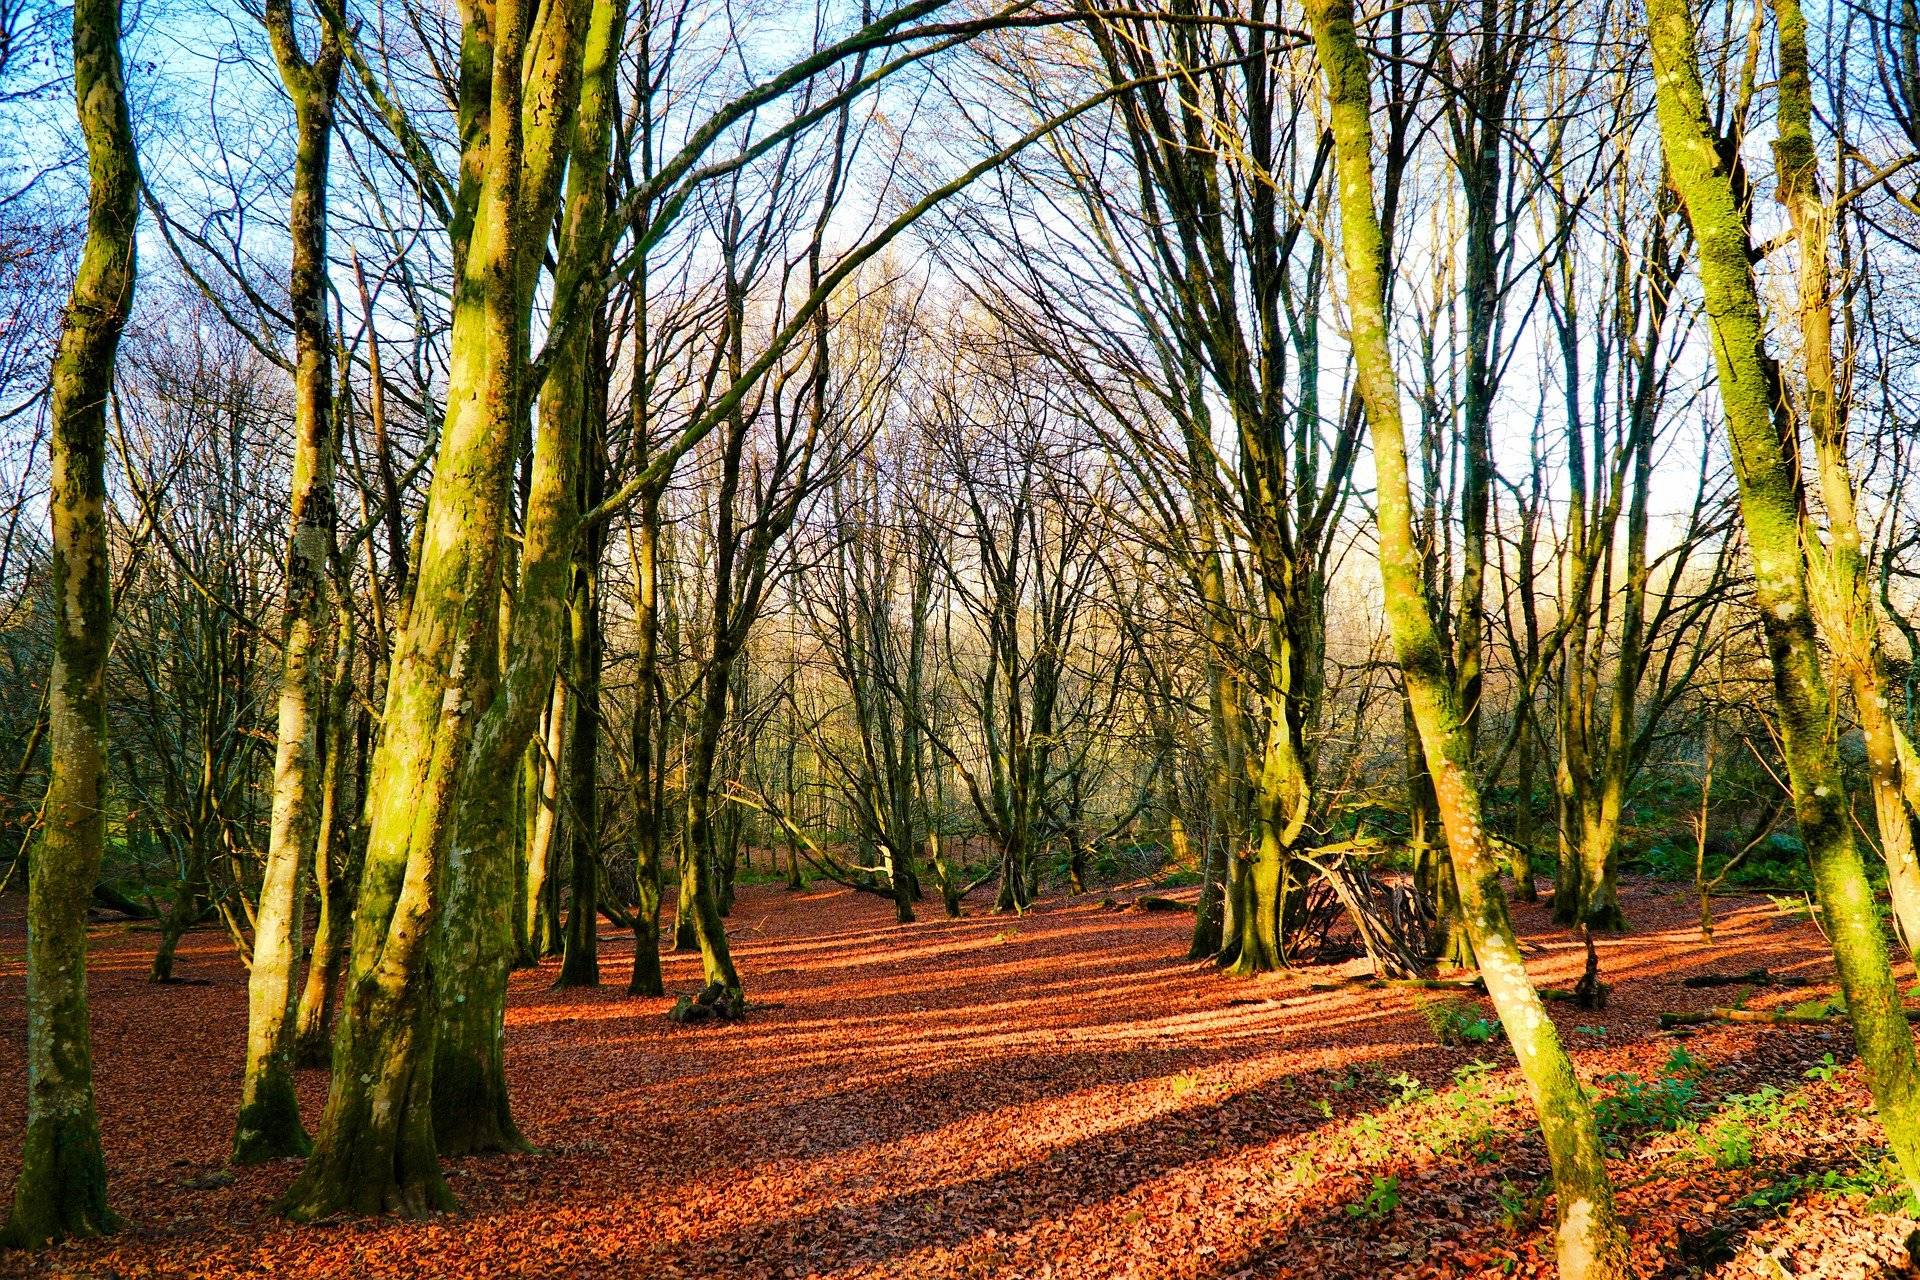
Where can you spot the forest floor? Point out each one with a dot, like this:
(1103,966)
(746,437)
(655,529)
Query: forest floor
(1058,1095)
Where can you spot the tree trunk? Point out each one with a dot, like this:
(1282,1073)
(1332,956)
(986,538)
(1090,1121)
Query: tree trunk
(375,1151)
(337,849)
(475,946)
(1770,509)
(580,960)
(542,788)
(61,1190)
(1591,1244)
(648,756)
(1840,595)
(268,1125)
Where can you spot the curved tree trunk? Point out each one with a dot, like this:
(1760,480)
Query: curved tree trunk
(1770,508)
(1591,1243)
(1840,593)
(61,1189)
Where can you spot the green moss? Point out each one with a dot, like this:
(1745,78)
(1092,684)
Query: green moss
(268,1128)
(62,1191)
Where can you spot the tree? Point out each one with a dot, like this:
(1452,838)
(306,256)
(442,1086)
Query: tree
(268,1125)
(1591,1242)
(1766,463)
(61,1190)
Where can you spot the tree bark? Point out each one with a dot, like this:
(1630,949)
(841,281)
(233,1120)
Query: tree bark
(1591,1243)
(375,1150)
(1771,510)
(268,1125)
(61,1190)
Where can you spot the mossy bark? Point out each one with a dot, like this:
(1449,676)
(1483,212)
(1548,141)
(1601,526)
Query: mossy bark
(375,1150)
(541,786)
(1770,508)
(475,946)
(61,1189)
(268,1124)
(1591,1244)
(1841,594)
(336,869)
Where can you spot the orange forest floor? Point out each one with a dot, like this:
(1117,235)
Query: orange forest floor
(1056,1095)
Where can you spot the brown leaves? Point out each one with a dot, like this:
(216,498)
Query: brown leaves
(1067,1098)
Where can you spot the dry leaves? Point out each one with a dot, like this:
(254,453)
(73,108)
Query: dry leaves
(1068,1099)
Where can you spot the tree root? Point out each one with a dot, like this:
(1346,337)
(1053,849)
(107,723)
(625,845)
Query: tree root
(715,1003)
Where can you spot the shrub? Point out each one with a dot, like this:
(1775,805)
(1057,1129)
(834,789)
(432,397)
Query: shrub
(1382,1200)
(1459,1022)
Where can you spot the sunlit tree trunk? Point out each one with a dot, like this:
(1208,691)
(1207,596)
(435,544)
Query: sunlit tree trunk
(1840,594)
(1770,509)
(1591,1243)
(475,946)
(375,1150)
(268,1125)
(337,845)
(540,787)
(61,1189)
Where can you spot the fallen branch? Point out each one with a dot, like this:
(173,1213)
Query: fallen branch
(1758,1017)
(108,898)
(1751,978)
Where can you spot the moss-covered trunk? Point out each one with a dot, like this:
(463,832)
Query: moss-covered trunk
(1771,511)
(375,1148)
(1590,1240)
(337,848)
(475,946)
(540,789)
(61,1189)
(1841,594)
(268,1124)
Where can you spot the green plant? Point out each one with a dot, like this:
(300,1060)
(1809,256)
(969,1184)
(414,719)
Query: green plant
(1635,1105)
(1873,1179)
(1595,1032)
(1462,1117)
(1825,1071)
(1407,1089)
(1727,1142)
(1459,1022)
(1683,1065)
(1382,1200)
(1668,862)
(1518,1207)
